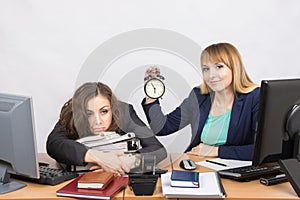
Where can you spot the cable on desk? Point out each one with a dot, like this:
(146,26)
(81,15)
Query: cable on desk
(124,193)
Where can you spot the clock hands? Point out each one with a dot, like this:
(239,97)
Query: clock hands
(153,88)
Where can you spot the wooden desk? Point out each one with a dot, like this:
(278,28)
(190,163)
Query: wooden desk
(252,190)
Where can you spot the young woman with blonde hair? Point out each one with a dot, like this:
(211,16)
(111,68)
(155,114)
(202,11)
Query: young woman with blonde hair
(222,111)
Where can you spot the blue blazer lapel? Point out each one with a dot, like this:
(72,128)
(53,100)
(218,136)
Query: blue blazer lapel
(235,116)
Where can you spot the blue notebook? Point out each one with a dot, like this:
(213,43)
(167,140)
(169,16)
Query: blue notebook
(180,178)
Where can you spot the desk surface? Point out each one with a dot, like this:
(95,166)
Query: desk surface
(252,190)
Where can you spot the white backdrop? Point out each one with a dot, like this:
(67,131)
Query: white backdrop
(45,44)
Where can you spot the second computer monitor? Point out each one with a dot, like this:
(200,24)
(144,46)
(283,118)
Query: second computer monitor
(279,109)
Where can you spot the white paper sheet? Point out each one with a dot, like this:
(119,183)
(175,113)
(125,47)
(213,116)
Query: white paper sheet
(230,163)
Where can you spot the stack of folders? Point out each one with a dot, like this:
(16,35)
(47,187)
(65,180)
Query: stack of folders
(183,184)
(94,185)
(108,141)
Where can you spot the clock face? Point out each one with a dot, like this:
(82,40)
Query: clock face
(154,88)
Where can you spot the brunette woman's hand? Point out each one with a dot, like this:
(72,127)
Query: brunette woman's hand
(109,161)
(129,160)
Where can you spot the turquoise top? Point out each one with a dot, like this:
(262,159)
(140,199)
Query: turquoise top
(215,130)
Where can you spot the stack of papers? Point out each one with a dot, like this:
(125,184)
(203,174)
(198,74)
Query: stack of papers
(225,163)
(210,187)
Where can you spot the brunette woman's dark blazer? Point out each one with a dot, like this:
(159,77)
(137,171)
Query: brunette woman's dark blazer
(68,151)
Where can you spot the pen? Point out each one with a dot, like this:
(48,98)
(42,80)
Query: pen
(217,163)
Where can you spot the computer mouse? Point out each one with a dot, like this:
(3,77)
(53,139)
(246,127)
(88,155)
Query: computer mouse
(187,164)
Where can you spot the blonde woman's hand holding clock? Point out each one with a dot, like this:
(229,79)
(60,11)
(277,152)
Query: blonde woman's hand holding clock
(154,87)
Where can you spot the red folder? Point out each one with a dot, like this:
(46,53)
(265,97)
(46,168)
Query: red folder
(71,190)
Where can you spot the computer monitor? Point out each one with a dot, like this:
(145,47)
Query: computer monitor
(18,152)
(278,125)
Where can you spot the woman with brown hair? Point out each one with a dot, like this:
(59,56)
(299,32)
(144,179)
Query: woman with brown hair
(92,110)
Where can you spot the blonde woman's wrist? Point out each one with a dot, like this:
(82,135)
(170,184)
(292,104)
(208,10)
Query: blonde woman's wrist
(149,100)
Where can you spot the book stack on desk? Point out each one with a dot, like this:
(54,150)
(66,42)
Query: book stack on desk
(109,191)
(180,178)
(210,186)
(95,180)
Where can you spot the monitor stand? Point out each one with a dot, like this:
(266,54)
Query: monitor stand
(7,185)
(291,167)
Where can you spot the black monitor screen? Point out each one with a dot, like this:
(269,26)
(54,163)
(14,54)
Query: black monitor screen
(278,99)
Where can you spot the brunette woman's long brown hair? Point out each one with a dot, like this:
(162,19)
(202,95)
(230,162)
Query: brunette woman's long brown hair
(73,116)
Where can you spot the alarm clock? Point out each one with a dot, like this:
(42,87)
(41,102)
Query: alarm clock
(155,87)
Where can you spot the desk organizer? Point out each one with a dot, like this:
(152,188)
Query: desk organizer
(143,184)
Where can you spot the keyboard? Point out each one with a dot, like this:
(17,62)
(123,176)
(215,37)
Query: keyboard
(249,173)
(50,176)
